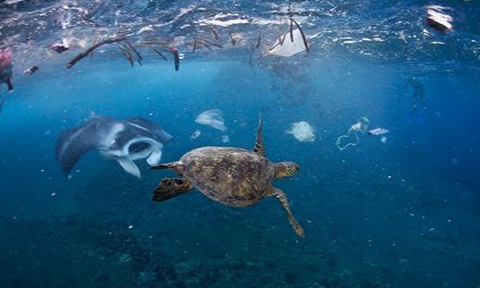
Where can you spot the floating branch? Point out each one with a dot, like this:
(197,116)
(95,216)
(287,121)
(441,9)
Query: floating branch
(1,103)
(95,41)
(212,43)
(291,29)
(132,49)
(215,33)
(258,41)
(232,39)
(208,47)
(156,51)
(127,54)
(93,48)
(194,45)
(301,32)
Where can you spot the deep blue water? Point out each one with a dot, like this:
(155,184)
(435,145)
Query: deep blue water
(404,213)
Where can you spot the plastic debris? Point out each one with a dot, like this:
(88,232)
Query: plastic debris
(225,139)
(384,139)
(286,48)
(302,131)
(360,127)
(195,134)
(31,70)
(59,47)
(378,131)
(212,118)
(437,19)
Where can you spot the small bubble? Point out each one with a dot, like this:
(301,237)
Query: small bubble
(130,227)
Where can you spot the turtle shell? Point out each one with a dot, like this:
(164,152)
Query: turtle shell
(232,176)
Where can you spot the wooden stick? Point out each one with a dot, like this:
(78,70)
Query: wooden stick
(127,55)
(212,43)
(215,33)
(91,49)
(1,103)
(156,51)
(234,42)
(194,45)
(258,41)
(303,34)
(139,57)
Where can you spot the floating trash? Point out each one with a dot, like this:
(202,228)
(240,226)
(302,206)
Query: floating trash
(195,134)
(286,48)
(351,138)
(378,131)
(225,139)
(302,131)
(437,19)
(293,42)
(384,139)
(212,118)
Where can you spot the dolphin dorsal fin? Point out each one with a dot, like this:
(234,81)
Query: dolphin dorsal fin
(259,148)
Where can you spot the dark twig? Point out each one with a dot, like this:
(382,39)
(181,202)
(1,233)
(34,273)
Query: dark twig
(304,38)
(156,51)
(139,57)
(258,41)
(1,103)
(127,54)
(91,49)
(232,39)
(291,30)
(210,42)
(215,33)
(194,45)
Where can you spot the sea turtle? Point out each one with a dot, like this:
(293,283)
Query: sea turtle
(232,176)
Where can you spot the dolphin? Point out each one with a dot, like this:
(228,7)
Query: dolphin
(122,140)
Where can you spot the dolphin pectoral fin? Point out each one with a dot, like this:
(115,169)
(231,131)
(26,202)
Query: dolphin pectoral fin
(129,166)
(155,157)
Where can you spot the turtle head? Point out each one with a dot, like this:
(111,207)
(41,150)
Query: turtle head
(286,169)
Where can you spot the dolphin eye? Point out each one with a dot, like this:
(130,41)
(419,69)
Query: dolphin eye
(138,147)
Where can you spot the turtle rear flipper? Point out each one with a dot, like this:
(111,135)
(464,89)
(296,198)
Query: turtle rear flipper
(283,199)
(170,188)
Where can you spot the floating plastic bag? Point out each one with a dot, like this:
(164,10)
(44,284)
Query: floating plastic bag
(285,47)
(302,131)
(212,118)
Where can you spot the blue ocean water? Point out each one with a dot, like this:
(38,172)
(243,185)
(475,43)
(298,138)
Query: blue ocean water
(403,212)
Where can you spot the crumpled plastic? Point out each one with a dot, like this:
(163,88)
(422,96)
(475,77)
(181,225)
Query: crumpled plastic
(212,118)
(302,131)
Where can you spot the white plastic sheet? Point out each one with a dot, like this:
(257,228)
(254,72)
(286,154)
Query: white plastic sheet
(212,118)
(302,131)
(289,48)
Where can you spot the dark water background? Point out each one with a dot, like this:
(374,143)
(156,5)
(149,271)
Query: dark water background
(399,214)
(404,213)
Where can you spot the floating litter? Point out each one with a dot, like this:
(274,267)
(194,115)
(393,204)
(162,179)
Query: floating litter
(351,138)
(212,118)
(286,48)
(225,139)
(378,131)
(302,131)
(195,134)
(384,139)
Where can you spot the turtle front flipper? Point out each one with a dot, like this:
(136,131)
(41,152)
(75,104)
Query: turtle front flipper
(170,188)
(283,199)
